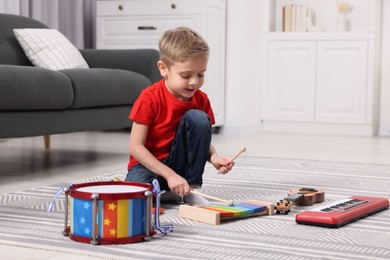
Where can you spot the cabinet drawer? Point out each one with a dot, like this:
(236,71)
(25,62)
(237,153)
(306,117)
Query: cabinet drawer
(141,7)
(145,27)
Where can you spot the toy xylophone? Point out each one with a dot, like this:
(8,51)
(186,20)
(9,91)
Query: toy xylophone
(342,212)
(214,214)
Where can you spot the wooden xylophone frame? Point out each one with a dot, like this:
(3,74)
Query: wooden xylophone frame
(214,218)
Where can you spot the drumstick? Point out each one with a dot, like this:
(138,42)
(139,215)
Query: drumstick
(242,149)
(229,202)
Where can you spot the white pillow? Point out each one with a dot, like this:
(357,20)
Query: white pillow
(50,49)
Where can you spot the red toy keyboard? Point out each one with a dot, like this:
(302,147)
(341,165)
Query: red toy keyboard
(342,212)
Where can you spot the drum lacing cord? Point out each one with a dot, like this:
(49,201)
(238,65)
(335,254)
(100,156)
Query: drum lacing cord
(51,202)
(164,229)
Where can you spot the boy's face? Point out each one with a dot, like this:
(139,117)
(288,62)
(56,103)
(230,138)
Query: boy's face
(183,79)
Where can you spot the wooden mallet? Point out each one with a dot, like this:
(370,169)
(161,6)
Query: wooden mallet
(228,202)
(242,149)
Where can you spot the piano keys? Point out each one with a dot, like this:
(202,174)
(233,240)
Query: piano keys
(342,212)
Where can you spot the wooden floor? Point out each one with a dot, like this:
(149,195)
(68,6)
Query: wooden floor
(24,162)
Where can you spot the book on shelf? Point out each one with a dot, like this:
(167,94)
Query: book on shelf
(286,18)
(295,18)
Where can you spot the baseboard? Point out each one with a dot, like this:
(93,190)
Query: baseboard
(306,128)
(320,128)
(241,129)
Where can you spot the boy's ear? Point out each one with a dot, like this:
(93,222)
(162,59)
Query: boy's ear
(162,68)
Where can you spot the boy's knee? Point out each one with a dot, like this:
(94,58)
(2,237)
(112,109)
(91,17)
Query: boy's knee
(198,118)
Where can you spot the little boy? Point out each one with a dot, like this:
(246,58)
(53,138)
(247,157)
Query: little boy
(171,134)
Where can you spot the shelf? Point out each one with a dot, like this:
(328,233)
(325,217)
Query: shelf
(362,18)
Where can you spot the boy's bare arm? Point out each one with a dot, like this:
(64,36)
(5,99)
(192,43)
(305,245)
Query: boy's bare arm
(138,150)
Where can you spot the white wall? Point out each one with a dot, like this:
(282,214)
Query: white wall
(384,92)
(9,6)
(243,61)
(243,72)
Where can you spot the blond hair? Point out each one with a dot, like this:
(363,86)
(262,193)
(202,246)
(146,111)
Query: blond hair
(180,45)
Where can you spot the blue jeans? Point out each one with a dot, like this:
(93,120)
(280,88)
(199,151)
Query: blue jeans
(189,152)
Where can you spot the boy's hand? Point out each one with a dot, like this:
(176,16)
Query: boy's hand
(178,184)
(222,164)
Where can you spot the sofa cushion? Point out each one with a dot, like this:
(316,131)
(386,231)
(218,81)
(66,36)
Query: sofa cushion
(99,87)
(30,88)
(49,49)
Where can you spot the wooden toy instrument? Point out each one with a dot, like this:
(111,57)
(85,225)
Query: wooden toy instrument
(310,196)
(214,214)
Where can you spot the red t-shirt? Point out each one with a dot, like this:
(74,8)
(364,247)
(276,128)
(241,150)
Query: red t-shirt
(157,108)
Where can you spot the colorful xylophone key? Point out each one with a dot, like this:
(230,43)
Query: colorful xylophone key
(239,209)
(214,214)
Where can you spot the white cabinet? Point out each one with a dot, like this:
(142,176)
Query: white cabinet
(324,81)
(291,77)
(316,81)
(341,85)
(133,24)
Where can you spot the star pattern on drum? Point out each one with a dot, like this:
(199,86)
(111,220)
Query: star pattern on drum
(82,215)
(107,222)
(113,232)
(111,206)
(86,205)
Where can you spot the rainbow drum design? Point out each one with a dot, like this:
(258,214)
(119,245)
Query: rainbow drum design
(109,212)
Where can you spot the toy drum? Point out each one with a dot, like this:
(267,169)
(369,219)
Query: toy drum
(109,212)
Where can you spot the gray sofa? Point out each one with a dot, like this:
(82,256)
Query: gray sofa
(36,101)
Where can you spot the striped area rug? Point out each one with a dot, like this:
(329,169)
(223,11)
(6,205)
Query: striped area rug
(25,223)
